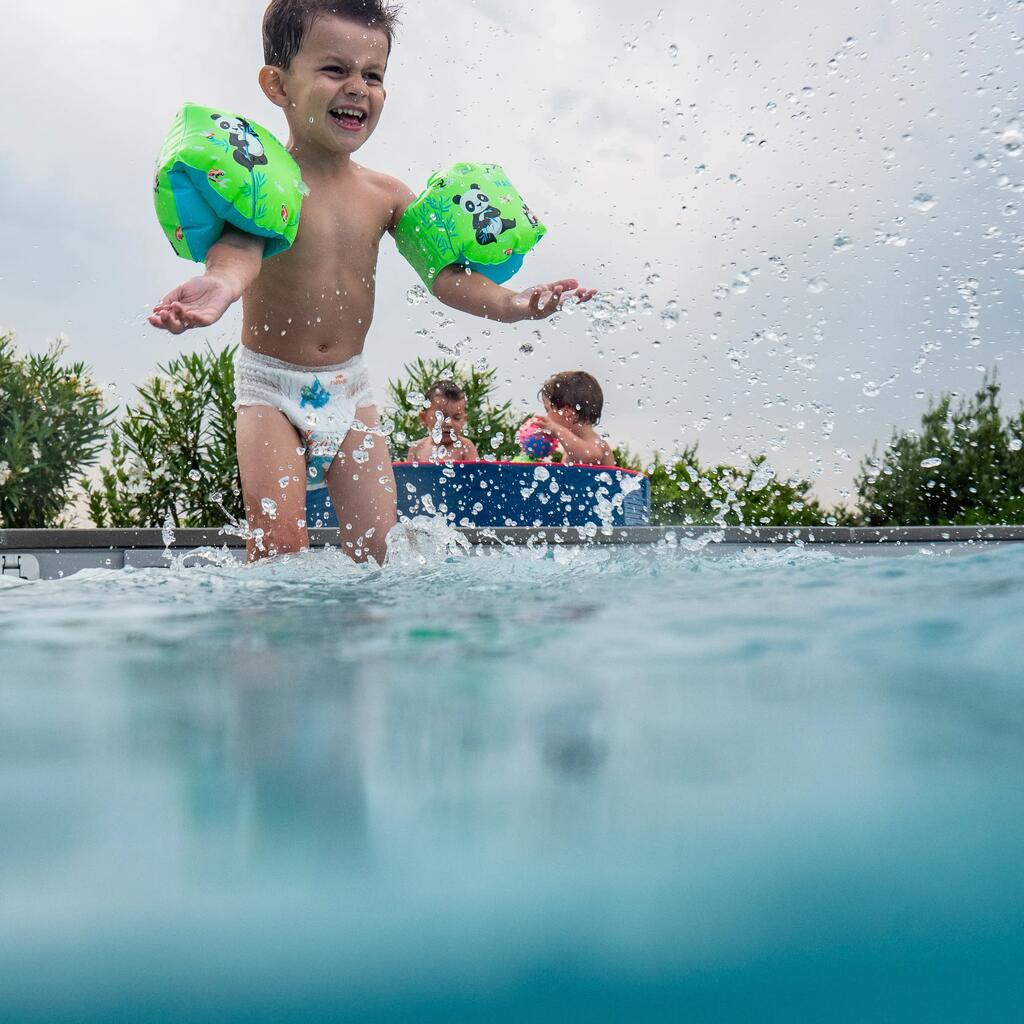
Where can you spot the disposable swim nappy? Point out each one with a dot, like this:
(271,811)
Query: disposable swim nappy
(320,401)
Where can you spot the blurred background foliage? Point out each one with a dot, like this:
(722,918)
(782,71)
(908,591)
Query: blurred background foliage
(170,456)
(53,426)
(964,466)
(685,492)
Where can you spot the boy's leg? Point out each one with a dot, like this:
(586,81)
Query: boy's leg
(269,452)
(363,490)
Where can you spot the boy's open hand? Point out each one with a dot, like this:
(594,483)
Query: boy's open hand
(197,303)
(551,425)
(544,300)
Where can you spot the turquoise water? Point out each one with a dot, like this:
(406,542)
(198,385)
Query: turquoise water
(598,785)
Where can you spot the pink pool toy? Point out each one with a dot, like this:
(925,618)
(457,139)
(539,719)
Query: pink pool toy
(535,441)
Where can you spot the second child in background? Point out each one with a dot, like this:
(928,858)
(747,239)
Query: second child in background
(573,403)
(445,420)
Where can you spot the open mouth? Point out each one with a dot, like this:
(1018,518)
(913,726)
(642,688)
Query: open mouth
(350,118)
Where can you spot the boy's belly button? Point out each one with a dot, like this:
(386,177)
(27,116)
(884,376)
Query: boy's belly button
(324,348)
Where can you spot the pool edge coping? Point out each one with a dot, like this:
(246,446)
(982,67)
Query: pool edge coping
(189,539)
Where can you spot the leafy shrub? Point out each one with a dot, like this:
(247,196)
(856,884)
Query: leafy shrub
(173,455)
(491,426)
(964,466)
(52,425)
(684,492)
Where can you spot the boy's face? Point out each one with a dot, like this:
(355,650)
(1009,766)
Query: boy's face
(334,90)
(451,416)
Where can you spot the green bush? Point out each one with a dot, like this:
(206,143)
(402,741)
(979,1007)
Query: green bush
(965,466)
(172,456)
(492,427)
(684,492)
(52,425)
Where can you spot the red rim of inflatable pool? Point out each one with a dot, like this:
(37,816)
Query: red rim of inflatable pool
(484,462)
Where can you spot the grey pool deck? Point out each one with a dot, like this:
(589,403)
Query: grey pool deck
(53,554)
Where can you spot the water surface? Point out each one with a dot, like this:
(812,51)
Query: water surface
(631,784)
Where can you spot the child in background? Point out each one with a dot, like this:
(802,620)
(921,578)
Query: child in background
(573,403)
(445,419)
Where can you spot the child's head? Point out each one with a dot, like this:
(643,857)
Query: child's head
(575,395)
(446,409)
(325,64)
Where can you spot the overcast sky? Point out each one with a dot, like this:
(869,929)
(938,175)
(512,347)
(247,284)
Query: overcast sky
(813,185)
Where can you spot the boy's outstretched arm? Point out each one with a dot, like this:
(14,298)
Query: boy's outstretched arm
(232,264)
(477,294)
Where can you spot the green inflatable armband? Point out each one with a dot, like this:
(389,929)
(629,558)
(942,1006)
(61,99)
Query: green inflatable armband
(470,215)
(217,168)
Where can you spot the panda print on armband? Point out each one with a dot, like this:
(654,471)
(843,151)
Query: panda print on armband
(488,222)
(244,141)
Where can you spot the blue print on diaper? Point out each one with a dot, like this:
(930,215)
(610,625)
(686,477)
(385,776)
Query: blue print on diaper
(315,395)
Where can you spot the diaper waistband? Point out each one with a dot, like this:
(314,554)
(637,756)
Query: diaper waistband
(259,359)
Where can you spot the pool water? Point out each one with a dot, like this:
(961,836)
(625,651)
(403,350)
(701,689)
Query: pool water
(591,784)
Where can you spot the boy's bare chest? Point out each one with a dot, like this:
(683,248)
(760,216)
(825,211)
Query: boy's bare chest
(342,225)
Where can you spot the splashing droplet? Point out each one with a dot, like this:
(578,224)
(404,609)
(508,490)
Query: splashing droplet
(763,475)
(1013,139)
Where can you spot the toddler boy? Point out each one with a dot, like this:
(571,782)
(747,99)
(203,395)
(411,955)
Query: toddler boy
(305,406)
(445,419)
(573,403)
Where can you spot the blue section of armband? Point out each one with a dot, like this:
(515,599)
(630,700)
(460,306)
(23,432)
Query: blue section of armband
(499,273)
(201,227)
(204,212)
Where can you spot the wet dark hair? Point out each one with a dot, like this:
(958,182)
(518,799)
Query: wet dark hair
(447,390)
(575,390)
(287,21)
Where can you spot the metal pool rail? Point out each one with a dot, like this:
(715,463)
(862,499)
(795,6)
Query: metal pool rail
(53,554)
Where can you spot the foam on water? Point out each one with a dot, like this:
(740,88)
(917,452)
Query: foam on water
(652,598)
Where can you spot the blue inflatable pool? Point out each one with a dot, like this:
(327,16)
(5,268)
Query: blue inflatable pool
(492,494)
